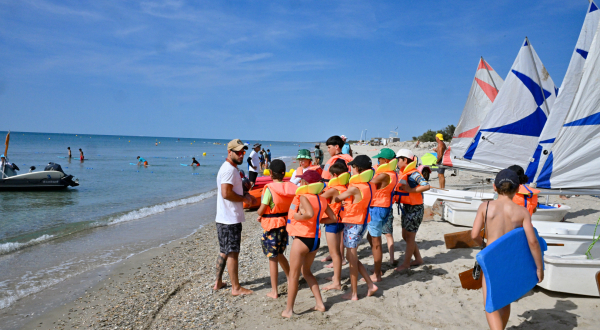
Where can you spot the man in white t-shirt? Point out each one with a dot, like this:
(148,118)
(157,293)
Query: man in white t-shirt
(230,215)
(254,163)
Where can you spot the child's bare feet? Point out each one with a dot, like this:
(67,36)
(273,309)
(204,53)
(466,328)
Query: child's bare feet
(329,265)
(241,291)
(332,286)
(319,308)
(328,258)
(416,262)
(219,285)
(350,296)
(376,277)
(402,268)
(287,314)
(372,290)
(273,294)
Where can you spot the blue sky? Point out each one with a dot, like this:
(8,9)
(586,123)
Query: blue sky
(280,70)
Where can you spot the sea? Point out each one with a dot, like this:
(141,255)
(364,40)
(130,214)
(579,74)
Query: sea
(47,237)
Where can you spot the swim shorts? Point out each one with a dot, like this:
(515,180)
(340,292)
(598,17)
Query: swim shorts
(274,241)
(252,176)
(353,234)
(230,237)
(334,228)
(412,216)
(388,226)
(311,243)
(441,170)
(379,216)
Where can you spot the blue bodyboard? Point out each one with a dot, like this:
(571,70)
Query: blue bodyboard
(509,269)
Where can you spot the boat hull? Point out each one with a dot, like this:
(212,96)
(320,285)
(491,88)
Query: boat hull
(433,195)
(42,180)
(464,214)
(572,274)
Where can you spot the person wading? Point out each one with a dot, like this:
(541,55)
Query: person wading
(230,215)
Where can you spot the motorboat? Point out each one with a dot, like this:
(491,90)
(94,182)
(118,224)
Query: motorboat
(51,178)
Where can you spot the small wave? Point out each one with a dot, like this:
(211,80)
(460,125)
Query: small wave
(285,157)
(12,246)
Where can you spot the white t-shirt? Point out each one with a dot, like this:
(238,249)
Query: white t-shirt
(255,162)
(294,179)
(229,212)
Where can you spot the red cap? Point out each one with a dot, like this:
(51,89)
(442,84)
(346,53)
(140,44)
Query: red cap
(310,176)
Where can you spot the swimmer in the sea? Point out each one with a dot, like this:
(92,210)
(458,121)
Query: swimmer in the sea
(142,161)
(195,162)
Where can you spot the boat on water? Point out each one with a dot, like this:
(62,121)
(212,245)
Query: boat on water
(51,178)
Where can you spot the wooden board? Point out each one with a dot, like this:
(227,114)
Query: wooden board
(467,281)
(461,239)
(598,281)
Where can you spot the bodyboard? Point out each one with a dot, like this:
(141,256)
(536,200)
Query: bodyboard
(509,268)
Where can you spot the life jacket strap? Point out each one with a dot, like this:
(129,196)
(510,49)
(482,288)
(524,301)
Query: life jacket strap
(275,215)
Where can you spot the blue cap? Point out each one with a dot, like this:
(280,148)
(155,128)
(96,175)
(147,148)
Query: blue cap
(507,175)
(2,156)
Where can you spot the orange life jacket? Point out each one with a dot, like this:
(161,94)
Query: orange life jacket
(326,175)
(384,197)
(306,228)
(358,213)
(408,198)
(337,208)
(527,197)
(283,193)
(300,170)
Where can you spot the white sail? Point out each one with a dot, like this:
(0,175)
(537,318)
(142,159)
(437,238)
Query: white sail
(484,90)
(509,133)
(567,92)
(573,159)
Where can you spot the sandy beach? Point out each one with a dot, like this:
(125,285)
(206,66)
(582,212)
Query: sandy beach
(171,287)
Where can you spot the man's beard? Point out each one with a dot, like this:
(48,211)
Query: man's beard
(238,161)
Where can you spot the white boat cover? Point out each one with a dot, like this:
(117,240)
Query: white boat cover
(484,90)
(567,92)
(509,133)
(573,159)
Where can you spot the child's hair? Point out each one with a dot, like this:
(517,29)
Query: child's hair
(277,176)
(338,168)
(520,173)
(335,141)
(360,169)
(506,189)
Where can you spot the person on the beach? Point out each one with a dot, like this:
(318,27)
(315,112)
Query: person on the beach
(355,218)
(410,188)
(381,207)
(440,150)
(262,158)
(269,157)
(346,150)
(142,161)
(318,155)
(333,231)
(503,215)
(334,148)
(526,196)
(305,162)
(195,162)
(69,150)
(272,215)
(254,163)
(230,215)
(307,211)
(81,155)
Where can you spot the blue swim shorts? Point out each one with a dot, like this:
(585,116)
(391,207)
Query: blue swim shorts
(334,228)
(379,216)
(353,234)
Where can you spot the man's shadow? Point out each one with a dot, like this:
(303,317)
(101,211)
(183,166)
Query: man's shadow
(557,318)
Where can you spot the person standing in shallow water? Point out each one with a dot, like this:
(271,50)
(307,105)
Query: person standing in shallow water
(81,155)
(230,215)
(69,149)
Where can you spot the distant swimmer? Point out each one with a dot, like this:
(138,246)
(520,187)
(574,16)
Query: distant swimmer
(142,161)
(81,155)
(156,144)
(69,148)
(195,162)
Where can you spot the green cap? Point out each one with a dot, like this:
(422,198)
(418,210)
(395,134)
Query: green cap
(304,153)
(386,153)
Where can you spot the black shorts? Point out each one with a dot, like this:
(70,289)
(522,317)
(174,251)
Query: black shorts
(230,237)
(441,170)
(252,176)
(311,243)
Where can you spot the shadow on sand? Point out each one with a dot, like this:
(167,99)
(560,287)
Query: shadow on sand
(557,318)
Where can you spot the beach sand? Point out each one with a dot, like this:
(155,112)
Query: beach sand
(171,288)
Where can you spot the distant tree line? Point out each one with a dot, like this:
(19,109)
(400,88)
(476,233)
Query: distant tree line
(429,136)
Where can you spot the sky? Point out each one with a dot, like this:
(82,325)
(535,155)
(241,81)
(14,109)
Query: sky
(268,70)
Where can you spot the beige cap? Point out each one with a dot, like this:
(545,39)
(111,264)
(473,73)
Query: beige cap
(405,153)
(236,145)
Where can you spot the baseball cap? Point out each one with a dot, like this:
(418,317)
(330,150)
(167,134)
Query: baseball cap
(362,161)
(256,145)
(303,153)
(310,176)
(235,145)
(405,153)
(440,136)
(507,175)
(277,166)
(343,136)
(386,153)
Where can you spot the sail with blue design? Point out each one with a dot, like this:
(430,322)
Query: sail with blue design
(566,94)
(510,131)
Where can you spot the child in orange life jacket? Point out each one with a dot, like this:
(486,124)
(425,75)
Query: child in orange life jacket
(272,215)
(355,218)
(334,148)
(333,232)
(410,188)
(526,196)
(385,181)
(307,211)
(305,161)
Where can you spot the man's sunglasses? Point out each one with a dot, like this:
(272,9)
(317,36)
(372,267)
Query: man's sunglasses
(240,153)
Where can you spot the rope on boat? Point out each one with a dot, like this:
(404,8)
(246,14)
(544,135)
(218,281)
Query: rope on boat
(594,240)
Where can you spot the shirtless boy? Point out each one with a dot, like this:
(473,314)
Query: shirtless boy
(503,215)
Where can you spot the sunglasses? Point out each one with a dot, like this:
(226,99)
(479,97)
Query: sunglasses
(240,153)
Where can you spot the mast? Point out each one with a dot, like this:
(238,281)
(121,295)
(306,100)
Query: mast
(489,74)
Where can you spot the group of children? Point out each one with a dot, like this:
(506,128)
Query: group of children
(350,197)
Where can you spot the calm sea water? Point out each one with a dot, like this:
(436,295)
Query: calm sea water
(41,233)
